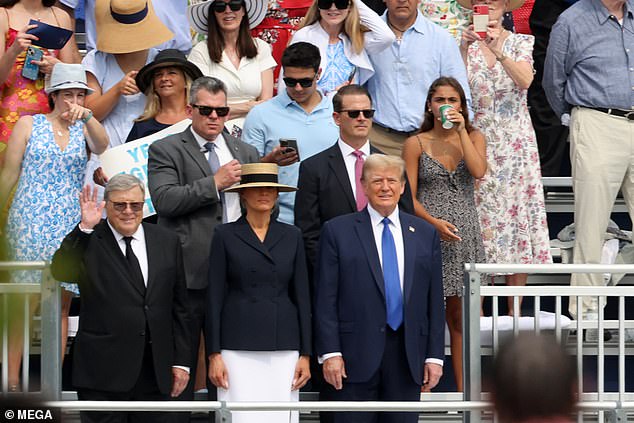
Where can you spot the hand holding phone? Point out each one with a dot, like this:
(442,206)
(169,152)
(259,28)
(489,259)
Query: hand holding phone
(31,70)
(289,145)
(481,19)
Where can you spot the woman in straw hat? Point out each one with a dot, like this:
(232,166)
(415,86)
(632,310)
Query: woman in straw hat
(258,330)
(243,63)
(47,158)
(510,197)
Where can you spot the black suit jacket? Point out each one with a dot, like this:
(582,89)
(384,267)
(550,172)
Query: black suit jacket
(350,314)
(184,195)
(258,292)
(115,312)
(324,192)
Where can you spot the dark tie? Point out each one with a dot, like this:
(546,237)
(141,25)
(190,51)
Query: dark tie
(393,296)
(133,263)
(214,163)
(361,199)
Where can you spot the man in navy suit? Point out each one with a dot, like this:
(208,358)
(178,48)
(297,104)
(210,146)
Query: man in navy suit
(379,311)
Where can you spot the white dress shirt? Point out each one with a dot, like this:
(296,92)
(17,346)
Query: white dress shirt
(138,247)
(350,160)
(232,199)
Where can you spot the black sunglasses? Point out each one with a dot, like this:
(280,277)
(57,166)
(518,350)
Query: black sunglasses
(220,6)
(367,113)
(207,110)
(121,206)
(304,82)
(327,4)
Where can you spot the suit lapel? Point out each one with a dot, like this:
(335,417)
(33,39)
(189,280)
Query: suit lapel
(409,247)
(152,247)
(112,247)
(338,167)
(365,233)
(246,234)
(233,147)
(193,149)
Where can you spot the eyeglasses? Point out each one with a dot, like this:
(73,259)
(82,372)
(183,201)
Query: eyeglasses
(327,4)
(207,110)
(367,113)
(121,206)
(220,6)
(303,82)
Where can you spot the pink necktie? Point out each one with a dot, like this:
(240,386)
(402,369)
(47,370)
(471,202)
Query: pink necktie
(362,200)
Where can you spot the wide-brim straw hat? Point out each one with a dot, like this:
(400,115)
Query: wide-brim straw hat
(259,175)
(513,4)
(166,58)
(124,26)
(65,76)
(198,14)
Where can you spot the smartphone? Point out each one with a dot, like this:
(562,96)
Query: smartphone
(31,70)
(352,74)
(481,19)
(289,144)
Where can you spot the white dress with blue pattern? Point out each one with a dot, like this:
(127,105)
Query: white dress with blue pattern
(337,71)
(46,203)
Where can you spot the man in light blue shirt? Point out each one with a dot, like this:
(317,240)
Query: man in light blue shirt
(589,73)
(299,112)
(422,52)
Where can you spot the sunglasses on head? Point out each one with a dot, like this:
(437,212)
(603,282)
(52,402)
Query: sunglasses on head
(207,110)
(327,4)
(121,206)
(303,82)
(367,113)
(220,6)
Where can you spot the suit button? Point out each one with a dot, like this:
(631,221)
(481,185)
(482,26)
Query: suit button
(146,308)
(382,330)
(142,333)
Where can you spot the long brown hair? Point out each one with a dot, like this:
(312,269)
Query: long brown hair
(445,81)
(216,41)
(352,26)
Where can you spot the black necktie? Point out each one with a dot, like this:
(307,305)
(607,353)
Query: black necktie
(133,263)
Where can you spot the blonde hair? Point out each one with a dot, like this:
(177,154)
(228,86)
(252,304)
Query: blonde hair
(153,102)
(383,161)
(352,26)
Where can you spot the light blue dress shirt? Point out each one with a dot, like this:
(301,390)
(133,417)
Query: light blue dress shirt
(281,117)
(405,70)
(590,59)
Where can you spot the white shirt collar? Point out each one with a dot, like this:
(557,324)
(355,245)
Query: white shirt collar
(138,235)
(346,150)
(219,141)
(376,218)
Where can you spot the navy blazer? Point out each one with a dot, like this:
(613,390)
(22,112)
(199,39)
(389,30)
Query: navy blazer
(258,292)
(350,313)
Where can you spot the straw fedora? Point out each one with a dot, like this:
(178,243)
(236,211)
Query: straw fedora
(513,4)
(65,76)
(124,26)
(198,14)
(258,175)
(166,58)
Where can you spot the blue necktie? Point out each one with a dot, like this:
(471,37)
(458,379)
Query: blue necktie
(393,296)
(214,163)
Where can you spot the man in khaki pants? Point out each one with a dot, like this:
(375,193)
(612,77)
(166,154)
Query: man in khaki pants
(589,73)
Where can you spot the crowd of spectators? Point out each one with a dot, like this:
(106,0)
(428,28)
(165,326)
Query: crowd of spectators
(288,102)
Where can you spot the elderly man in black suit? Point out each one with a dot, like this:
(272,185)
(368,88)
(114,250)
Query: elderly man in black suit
(187,173)
(133,341)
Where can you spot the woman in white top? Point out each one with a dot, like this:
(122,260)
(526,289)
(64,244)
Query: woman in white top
(345,31)
(245,64)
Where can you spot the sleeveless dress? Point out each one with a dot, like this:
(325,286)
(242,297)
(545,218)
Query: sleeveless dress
(449,196)
(510,196)
(45,206)
(19,96)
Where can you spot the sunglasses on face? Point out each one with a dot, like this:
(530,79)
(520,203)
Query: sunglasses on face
(207,110)
(327,4)
(367,113)
(121,206)
(303,82)
(220,6)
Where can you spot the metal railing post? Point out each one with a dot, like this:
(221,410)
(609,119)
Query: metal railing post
(223,414)
(472,372)
(51,351)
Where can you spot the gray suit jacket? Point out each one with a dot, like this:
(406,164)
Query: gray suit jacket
(184,194)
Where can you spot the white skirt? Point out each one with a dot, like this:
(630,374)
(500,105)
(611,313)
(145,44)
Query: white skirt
(260,376)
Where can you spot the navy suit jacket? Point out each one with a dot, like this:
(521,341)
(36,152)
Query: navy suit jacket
(350,313)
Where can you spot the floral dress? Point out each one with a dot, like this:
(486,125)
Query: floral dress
(448,14)
(19,95)
(510,197)
(46,207)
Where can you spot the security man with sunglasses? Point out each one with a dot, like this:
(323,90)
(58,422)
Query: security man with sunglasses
(187,174)
(300,112)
